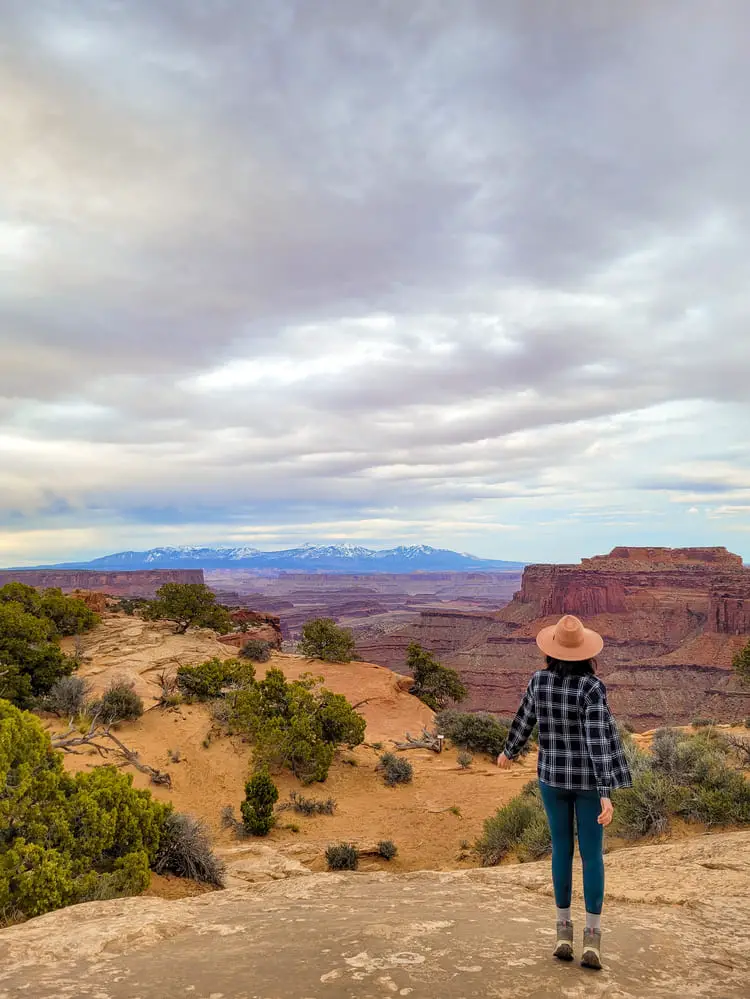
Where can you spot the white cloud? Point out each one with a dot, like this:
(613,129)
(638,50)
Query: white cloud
(359,274)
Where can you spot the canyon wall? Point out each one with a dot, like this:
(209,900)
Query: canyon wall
(119,584)
(672,619)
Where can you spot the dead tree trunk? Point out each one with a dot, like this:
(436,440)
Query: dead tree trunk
(428,740)
(69,743)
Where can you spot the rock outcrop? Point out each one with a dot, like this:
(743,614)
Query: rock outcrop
(450,934)
(254,624)
(118,584)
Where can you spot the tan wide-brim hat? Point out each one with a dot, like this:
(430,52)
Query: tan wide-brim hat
(569,640)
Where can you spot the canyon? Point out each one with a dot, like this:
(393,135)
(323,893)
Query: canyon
(372,606)
(672,620)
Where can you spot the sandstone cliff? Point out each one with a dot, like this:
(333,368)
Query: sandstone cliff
(672,620)
(119,584)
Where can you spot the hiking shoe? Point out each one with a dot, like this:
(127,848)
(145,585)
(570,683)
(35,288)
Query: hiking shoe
(564,947)
(592,949)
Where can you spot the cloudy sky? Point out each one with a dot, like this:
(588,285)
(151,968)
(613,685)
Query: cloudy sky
(475,274)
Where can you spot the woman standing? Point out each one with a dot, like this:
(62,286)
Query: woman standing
(581,760)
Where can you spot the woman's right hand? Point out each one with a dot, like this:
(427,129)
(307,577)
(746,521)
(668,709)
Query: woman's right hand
(607,813)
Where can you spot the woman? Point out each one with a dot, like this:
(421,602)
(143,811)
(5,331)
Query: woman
(581,760)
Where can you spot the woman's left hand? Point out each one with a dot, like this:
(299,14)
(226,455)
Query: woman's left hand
(503,762)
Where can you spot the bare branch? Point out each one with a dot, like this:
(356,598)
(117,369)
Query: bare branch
(428,740)
(741,747)
(68,743)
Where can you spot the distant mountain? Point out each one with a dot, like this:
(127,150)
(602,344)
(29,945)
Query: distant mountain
(308,558)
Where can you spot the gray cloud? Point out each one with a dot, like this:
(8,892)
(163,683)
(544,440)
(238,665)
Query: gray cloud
(280,256)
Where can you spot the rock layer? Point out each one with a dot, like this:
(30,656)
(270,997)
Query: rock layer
(449,934)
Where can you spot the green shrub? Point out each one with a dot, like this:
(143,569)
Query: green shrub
(68,696)
(119,702)
(535,841)
(702,722)
(723,799)
(185,850)
(311,806)
(434,684)
(204,681)
(645,809)
(32,661)
(256,650)
(478,733)
(747,723)
(132,605)
(295,725)
(465,760)
(261,794)
(70,615)
(387,849)
(531,790)
(188,605)
(342,857)
(65,838)
(395,769)
(323,639)
(504,830)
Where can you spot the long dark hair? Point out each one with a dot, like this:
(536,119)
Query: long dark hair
(581,667)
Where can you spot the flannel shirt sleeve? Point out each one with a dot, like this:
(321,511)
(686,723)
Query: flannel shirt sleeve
(598,742)
(523,724)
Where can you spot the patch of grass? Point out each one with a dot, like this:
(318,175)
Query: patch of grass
(503,831)
(342,857)
(310,806)
(535,841)
(477,733)
(465,760)
(379,745)
(455,810)
(387,849)
(185,850)
(119,702)
(702,722)
(291,826)
(175,756)
(256,650)
(351,761)
(230,821)
(645,808)
(395,769)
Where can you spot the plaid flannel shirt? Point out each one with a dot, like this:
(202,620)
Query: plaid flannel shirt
(579,746)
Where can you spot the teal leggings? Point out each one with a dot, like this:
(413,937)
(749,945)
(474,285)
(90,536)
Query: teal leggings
(561,806)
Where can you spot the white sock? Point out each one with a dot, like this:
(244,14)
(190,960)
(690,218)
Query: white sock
(593,921)
(563,915)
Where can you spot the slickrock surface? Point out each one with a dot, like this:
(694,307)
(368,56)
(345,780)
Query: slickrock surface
(678,925)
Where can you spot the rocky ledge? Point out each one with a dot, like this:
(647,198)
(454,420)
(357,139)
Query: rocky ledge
(677,924)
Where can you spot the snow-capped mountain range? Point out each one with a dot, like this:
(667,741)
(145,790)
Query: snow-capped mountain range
(308,557)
